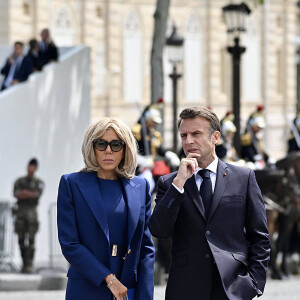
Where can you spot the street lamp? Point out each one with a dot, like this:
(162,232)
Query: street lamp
(235,19)
(174,51)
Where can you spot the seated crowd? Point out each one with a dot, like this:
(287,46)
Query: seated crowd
(19,66)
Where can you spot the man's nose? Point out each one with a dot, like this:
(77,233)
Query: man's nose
(189,139)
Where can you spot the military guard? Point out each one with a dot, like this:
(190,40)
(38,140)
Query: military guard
(150,144)
(27,190)
(225,149)
(149,139)
(252,146)
(294,138)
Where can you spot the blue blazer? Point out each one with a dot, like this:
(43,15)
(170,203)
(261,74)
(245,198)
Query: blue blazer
(234,237)
(84,237)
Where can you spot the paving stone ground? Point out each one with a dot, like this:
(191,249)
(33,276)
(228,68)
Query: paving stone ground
(288,289)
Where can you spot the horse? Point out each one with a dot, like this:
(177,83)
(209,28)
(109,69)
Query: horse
(281,192)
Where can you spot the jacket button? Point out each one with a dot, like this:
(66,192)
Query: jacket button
(207,232)
(129,251)
(207,256)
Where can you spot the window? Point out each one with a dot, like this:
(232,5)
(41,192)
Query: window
(63,28)
(132,59)
(251,62)
(193,61)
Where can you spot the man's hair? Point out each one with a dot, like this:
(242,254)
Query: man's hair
(19,43)
(33,43)
(202,112)
(33,162)
(45,30)
(128,164)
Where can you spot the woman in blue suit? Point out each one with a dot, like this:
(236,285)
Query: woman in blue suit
(102,216)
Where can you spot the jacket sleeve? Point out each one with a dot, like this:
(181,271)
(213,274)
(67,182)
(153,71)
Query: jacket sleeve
(53,52)
(5,69)
(145,282)
(257,234)
(76,254)
(164,216)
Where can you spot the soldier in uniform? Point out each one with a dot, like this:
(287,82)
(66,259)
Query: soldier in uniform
(148,138)
(225,149)
(27,190)
(294,139)
(150,141)
(252,147)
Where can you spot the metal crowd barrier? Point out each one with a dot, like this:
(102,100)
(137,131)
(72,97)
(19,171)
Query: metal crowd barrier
(7,238)
(57,259)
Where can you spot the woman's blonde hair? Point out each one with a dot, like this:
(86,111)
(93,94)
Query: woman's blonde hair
(128,164)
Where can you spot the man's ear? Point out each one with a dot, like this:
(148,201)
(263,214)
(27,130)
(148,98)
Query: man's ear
(216,136)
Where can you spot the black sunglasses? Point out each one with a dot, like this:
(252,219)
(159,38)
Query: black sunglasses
(115,145)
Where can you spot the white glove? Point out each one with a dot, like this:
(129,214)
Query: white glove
(258,157)
(145,161)
(271,162)
(174,159)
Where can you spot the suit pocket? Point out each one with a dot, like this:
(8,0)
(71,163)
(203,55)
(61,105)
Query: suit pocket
(232,199)
(241,258)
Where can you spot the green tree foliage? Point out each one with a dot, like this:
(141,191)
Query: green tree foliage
(257,2)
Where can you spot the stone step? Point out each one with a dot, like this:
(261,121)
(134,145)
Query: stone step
(44,280)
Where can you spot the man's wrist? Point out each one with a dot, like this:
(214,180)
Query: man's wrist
(179,183)
(181,191)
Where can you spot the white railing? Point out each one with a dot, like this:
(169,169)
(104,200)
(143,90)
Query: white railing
(45,117)
(7,239)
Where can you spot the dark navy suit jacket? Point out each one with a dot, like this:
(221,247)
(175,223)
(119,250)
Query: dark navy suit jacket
(84,237)
(21,72)
(48,53)
(234,237)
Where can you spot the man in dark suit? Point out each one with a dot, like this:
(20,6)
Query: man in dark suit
(17,67)
(33,55)
(220,241)
(48,50)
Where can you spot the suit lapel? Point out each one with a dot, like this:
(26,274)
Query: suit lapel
(133,197)
(191,188)
(221,181)
(90,191)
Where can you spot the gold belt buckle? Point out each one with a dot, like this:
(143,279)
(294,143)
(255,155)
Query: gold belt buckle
(114,251)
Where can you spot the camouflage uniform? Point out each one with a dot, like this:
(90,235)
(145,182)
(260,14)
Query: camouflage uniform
(26,220)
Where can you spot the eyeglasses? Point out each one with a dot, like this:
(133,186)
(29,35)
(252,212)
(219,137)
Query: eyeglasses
(115,145)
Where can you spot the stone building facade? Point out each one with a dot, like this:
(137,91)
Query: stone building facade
(119,33)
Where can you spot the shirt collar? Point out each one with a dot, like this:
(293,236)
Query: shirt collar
(212,167)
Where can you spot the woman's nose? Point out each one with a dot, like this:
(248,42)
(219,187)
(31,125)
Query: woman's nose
(108,149)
